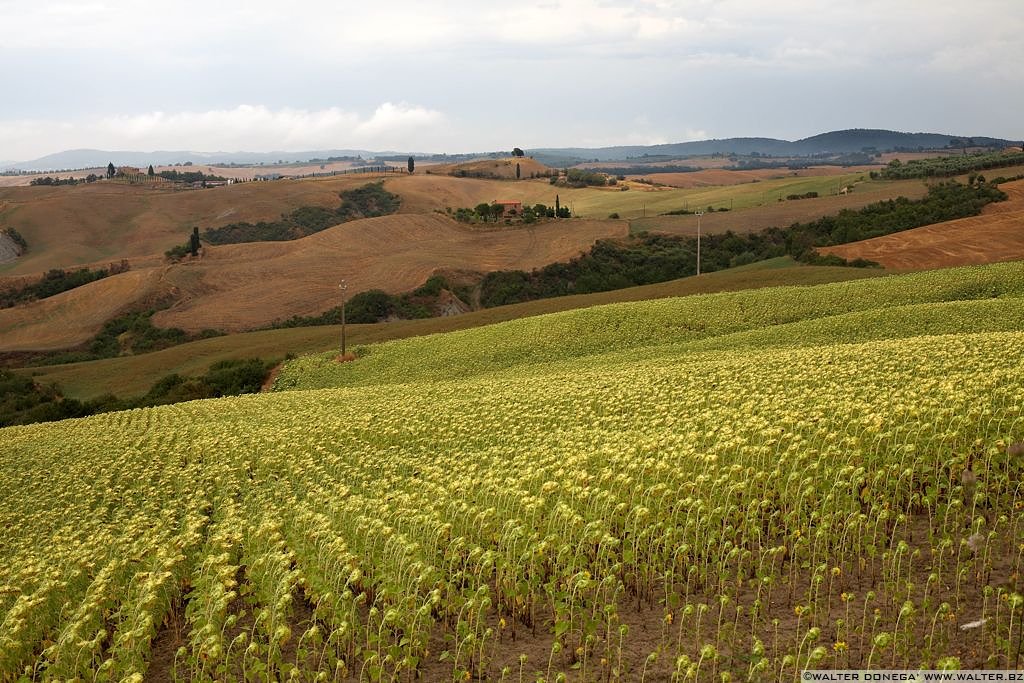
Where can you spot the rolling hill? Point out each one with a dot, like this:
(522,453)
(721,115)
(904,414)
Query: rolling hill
(841,141)
(421,193)
(242,286)
(683,322)
(99,222)
(133,375)
(245,286)
(238,287)
(996,235)
(504,168)
(834,142)
(75,316)
(96,158)
(623,482)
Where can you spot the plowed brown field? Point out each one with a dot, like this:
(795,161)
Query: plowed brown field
(996,235)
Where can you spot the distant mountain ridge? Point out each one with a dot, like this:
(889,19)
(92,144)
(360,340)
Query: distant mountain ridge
(834,142)
(95,158)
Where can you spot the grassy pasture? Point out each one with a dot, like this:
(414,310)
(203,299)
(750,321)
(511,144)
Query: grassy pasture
(781,214)
(428,193)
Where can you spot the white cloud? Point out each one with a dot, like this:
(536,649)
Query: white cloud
(557,72)
(391,122)
(572,21)
(244,128)
(786,33)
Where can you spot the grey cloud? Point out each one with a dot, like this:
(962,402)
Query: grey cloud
(552,73)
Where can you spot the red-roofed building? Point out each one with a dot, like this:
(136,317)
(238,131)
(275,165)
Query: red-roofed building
(511,208)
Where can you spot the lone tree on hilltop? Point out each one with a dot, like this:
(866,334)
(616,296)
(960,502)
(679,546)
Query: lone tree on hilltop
(412,164)
(516,152)
(111,170)
(151,172)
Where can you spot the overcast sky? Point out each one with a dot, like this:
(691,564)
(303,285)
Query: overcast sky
(476,75)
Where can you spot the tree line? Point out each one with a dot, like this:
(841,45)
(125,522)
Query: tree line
(375,305)
(368,201)
(492,213)
(944,167)
(23,401)
(55,281)
(646,259)
(649,258)
(48,181)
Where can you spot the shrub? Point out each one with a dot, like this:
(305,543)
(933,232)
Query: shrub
(368,307)
(368,201)
(56,281)
(432,287)
(177,253)
(16,237)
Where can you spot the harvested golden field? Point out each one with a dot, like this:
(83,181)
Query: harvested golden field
(99,222)
(24,180)
(996,235)
(500,168)
(134,375)
(103,222)
(73,317)
(423,193)
(241,286)
(237,172)
(426,193)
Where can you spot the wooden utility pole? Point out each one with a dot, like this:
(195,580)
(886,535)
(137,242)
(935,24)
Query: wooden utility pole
(343,287)
(699,214)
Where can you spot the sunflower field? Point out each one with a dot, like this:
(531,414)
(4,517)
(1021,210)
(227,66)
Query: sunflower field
(719,488)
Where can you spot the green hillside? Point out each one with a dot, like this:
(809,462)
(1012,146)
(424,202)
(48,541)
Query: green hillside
(127,376)
(732,486)
(632,326)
